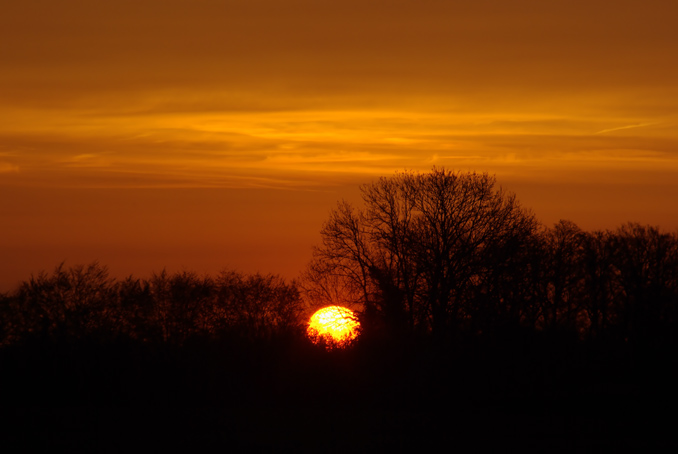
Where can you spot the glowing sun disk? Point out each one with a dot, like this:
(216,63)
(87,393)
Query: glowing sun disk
(336,326)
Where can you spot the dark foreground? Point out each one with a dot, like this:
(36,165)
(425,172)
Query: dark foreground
(536,394)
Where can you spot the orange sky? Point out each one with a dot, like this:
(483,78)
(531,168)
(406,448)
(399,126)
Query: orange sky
(207,134)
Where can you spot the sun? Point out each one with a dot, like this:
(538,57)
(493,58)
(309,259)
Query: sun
(333,326)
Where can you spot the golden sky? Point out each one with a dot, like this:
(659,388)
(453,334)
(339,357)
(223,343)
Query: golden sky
(206,134)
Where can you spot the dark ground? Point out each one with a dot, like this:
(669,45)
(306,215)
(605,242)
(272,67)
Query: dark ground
(285,395)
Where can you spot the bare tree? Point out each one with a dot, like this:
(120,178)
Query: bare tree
(646,265)
(178,301)
(71,302)
(412,256)
(255,305)
(562,255)
(598,284)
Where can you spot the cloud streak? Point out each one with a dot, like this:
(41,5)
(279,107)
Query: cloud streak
(640,125)
(571,103)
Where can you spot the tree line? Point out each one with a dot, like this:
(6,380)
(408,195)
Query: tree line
(474,316)
(85,303)
(449,253)
(439,255)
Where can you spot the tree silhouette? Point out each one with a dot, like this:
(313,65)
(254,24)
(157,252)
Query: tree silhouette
(646,264)
(465,303)
(598,284)
(177,303)
(166,309)
(421,248)
(69,303)
(561,255)
(256,305)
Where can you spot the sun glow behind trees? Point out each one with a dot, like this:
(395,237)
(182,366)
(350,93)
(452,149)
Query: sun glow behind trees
(333,326)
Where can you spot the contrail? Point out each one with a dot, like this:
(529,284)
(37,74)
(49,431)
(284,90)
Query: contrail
(640,125)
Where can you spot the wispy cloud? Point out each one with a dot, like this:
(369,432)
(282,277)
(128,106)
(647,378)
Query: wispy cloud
(640,125)
(89,160)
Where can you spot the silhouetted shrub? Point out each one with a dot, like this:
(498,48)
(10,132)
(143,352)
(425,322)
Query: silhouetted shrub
(167,309)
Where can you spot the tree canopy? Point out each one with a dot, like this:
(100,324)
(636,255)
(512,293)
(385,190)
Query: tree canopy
(446,252)
(421,247)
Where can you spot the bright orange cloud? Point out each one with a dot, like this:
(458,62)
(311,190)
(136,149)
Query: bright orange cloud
(572,104)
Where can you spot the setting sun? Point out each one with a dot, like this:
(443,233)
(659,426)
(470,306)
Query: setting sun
(336,326)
